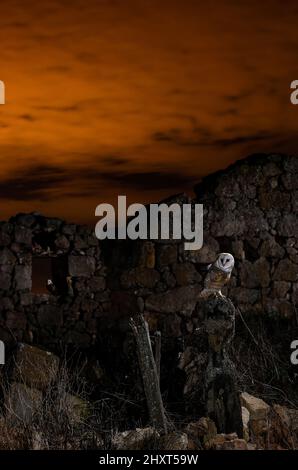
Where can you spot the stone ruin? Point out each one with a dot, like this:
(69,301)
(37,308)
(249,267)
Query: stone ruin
(33,249)
(250,210)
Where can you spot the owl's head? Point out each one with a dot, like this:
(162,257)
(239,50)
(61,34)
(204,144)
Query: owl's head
(225,262)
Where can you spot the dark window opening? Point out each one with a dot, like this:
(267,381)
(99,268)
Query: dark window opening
(43,243)
(60,273)
(45,269)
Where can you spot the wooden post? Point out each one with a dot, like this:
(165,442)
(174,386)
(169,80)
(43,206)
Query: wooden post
(158,352)
(149,373)
(211,385)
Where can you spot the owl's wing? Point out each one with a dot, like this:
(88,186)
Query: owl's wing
(203,267)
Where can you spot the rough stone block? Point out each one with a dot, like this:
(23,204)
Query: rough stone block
(50,315)
(23,235)
(140,277)
(7,257)
(228,442)
(257,408)
(166,254)
(5,279)
(62,243)
(97,283)
(181,300)
(16,320)
(185,274)
(23,277)
(81,266)
(286,271)
(5,238)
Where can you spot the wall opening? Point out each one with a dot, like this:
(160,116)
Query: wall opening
(41,272)
(49,268)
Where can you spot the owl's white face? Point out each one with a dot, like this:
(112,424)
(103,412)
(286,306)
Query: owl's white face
(225,262)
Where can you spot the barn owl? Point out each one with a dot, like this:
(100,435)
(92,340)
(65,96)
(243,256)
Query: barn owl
(218,274)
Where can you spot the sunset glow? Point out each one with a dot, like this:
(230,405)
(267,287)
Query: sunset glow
(139,97)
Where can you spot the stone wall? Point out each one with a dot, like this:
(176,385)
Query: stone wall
(250,210)
(67,317)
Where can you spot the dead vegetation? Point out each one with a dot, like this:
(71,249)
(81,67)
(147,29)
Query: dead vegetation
(61,417)
(263,365)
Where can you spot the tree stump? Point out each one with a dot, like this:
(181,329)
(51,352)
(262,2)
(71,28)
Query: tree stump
(210,388)
(149,373)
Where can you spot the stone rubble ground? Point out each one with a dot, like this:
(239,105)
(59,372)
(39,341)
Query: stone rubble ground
(265,427)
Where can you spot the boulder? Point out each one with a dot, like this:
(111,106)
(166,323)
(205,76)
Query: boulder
(257,408)
(201,432)
(227,442)
(138,439)
(259,414)
(34,367)
(245,421)
(174,441)
(22,402)
(283,427)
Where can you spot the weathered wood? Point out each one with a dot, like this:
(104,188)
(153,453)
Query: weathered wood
(149,373)
(211,386)
(158,352)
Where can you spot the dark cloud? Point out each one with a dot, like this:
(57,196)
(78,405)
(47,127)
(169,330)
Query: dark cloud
(64,109)
(203,137)
(170,136)
(46,182)
(59,68)
(111,161)
(27,117)
(14,25)
(35,182)
(151,180)
(229,111)
(240,96)
(244,139)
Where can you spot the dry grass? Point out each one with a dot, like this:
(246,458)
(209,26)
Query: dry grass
(263,365)
(63,418)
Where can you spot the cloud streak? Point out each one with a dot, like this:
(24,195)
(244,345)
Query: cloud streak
(46,182)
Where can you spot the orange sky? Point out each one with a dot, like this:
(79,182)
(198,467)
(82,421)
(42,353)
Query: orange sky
(138,97)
